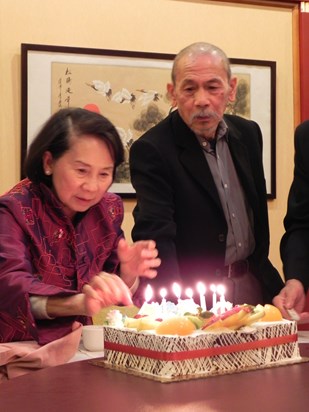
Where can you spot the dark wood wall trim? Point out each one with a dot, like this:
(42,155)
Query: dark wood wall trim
(270,3)
(304,63)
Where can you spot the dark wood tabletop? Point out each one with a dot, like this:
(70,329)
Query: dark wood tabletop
(84,387)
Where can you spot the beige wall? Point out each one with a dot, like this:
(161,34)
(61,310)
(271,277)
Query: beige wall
(243,31)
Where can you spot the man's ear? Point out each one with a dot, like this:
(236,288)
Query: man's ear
(233,89)
(171,94)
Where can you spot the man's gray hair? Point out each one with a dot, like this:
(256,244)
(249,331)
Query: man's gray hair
(197,49)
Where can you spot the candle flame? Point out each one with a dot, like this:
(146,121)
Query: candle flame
(163,293)
(148,293)
(201,288)
(213,288)
(176,290)
(189,293)
(221,290)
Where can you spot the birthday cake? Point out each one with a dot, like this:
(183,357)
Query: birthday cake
(221,344)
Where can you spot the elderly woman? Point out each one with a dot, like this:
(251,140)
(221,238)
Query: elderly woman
(62,252)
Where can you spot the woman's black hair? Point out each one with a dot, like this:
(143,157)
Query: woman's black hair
(55,137)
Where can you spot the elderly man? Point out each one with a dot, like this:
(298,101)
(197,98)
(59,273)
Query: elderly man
(200,185)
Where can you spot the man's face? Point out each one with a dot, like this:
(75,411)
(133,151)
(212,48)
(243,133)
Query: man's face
(201,92)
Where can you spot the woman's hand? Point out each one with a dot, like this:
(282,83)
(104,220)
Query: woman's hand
(292,296)
(138,259)
(105,290)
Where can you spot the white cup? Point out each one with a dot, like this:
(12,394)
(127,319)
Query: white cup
(93,338)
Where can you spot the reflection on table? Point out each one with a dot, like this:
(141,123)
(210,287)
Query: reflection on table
(81,386)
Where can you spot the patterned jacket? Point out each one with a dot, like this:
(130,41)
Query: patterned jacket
(43,253)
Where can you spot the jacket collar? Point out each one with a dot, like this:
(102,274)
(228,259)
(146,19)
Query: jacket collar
(242,163)
(192,157)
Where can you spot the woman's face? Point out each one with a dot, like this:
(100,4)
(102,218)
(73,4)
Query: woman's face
(82,175)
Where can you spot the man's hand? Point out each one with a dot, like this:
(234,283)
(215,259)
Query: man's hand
(292,296)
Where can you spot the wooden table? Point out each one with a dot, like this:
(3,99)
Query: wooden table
(83,387)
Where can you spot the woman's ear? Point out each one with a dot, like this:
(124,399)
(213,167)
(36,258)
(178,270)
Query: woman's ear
(47,161)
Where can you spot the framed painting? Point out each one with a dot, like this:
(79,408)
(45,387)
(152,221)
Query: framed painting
(129,88)
(256,100)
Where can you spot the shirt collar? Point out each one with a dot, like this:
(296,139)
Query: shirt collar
(221,132)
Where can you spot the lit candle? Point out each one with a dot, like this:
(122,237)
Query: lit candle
(148,309)
(163,293)
(214,296)
(189,293)
(148,293)
(202,290)
(176,290)
(221,291)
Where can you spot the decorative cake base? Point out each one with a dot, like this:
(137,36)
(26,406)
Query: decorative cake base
(103,363)
(168,358)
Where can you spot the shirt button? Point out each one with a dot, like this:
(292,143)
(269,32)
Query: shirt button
(239,244)
(221,237)
(225,186)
